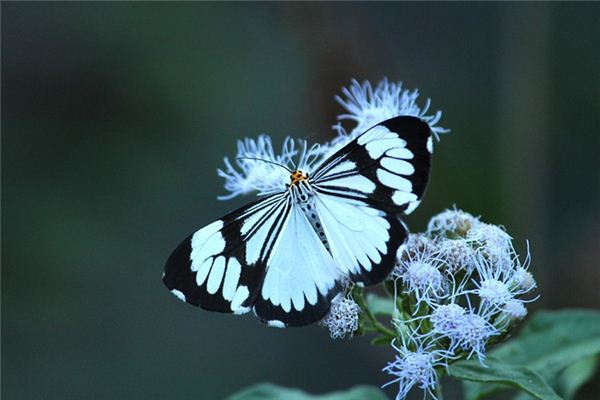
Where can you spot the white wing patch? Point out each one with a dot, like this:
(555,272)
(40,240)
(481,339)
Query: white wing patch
(357,234)
(299,268)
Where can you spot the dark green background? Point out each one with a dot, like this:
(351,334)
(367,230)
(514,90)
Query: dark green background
(116,116)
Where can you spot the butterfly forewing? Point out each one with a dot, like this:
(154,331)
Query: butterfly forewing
(221,267)
(387,166)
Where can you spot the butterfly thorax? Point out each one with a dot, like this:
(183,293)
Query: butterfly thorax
(300,187)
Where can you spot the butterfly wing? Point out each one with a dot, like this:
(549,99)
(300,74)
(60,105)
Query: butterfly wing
(301,279)
(264,256)
(221,267)
(362,188)
(386,167)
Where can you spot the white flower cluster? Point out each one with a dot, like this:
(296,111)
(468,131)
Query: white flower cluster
(258,168)
(342,319)
(462,286)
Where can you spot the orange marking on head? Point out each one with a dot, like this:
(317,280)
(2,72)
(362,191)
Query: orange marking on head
(297,176)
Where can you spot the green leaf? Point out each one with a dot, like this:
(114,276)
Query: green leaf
(269,391)
(497,372)
(550,342)
(382,341)
(380,305)
(576,376)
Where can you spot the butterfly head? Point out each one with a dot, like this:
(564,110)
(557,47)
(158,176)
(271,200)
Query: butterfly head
(298,176)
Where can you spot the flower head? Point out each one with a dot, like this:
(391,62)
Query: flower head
(457,255)
(342,319)
(452,223)
(259,169)
(422,277)
(472,334)
(368,106)
(514,309)
(415,365)
(493,243)
(446,318)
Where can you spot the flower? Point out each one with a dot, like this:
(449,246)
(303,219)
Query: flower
(421,276)
(458,286)
(415,367)
(457,255)
(368,105)
(493,242)
(514,309)
(471,334)
(259,169)
(446,318)
(451,223)
(415,244)
(342,319)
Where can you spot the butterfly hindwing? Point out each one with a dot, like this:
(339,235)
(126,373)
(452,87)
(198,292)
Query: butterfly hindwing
(301,279)
(363,240)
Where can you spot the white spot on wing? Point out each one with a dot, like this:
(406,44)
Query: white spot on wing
(354,182)
(400,153)
(241,294)
(342,167)
(203,271)
(232,277)
(398,166)
(400,197)
(394,181)
(216,275)
(411,206)
(178,294)
(276,324)
(430,145)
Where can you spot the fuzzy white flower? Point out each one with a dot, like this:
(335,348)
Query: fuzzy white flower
(472,334)
(494,243)
(457,255)
(446,318)
(368,106)
(499,281)
(415,367)
(342,319)
(514,309)
(494,291)
(523,279)
(422,277)
(259,169)
(451,223)
(417,244)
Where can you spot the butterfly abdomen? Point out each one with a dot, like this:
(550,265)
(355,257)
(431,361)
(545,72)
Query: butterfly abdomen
(310,211)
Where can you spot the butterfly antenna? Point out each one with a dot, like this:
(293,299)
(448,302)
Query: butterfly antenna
(267,161)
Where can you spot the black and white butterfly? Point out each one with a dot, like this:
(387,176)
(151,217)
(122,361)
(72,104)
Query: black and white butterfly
(285,255)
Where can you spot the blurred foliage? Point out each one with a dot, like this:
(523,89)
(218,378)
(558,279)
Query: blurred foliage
(115,117)
(548,351)
(266,391)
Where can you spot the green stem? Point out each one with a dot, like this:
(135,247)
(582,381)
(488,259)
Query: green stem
(438,391)
(379,327)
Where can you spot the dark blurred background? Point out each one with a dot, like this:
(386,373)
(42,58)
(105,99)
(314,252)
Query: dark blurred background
(115,117)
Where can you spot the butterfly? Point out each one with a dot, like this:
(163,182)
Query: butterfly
(286,255)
